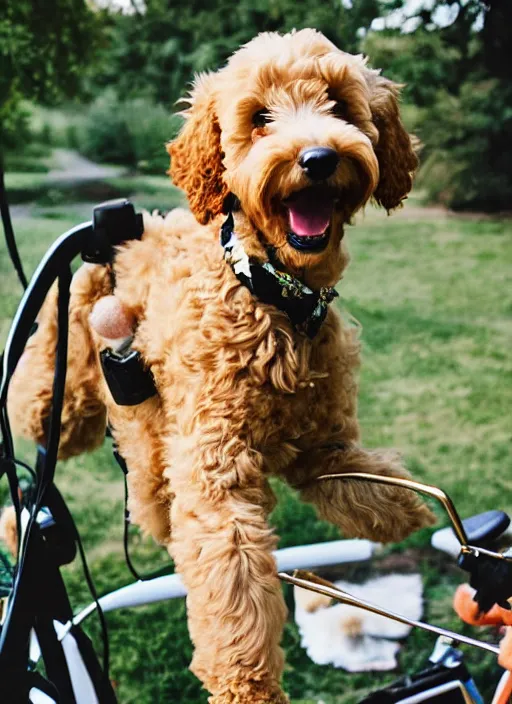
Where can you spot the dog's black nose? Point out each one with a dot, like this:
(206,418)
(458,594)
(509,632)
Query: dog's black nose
(319,162)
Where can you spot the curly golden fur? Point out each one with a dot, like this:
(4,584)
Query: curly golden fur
(241,395)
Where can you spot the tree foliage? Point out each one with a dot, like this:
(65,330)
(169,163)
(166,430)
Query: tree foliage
(459,76)
(454,70)
(131,132)
(457,71)
(157,52)
(45,46)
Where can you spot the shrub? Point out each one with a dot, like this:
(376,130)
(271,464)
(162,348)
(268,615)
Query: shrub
(421,61)
(50,126)
(24,163)
(105,135)
(22,150)
(468,161)
(150,127)
(132,133)
(14,124)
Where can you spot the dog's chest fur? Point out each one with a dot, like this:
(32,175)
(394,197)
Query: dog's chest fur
(217,353)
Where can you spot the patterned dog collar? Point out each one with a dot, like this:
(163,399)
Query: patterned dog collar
(305,308)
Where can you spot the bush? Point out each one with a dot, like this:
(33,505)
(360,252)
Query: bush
(14,124)
(421,61)
(132,133)
(150,128)
(105,135)
(50,126)
(469,148)
(22,150)
(24,163)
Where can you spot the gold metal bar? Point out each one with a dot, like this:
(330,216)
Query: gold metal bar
(432,491)
(308,580)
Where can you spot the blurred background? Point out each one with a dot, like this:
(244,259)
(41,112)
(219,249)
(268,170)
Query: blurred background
(101,78)
(87,94)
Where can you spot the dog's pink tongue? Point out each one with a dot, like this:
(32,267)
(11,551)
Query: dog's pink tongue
(310,213)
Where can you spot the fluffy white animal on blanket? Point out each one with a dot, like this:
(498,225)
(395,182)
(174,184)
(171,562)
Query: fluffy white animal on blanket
(351,638)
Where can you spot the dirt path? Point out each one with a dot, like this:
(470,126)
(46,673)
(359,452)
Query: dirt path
(71,166)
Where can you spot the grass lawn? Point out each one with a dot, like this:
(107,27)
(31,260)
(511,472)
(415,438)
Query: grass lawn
(434,297)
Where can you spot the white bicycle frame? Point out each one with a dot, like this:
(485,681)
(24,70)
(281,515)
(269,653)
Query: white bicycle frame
(171,587)
(297,559)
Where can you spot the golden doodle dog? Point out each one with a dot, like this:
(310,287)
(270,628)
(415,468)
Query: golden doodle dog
(229,306)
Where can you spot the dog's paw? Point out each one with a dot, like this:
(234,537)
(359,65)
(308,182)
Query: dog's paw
(409,515)
(400,511)
(366,509)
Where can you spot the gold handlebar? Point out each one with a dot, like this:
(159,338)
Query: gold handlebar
(310,581)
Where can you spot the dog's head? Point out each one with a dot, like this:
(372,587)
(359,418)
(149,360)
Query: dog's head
(302,134)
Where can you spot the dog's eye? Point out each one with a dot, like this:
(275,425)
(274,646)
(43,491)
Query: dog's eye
(260,118)
(340,109)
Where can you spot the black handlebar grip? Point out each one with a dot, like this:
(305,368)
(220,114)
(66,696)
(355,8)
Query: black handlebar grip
(114,222)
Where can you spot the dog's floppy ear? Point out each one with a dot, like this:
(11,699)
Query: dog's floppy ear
(395,149)
(196,156)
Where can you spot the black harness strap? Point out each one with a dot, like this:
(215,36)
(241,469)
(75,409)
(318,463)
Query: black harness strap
(128,380)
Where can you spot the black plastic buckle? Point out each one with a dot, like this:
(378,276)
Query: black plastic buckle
(114,222)
(130,383)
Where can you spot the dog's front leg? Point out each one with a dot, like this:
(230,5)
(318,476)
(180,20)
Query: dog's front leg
(222,547)
(361,509)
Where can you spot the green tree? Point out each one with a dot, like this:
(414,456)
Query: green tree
(157,51)
(459,75)
(422,60)
(44,47)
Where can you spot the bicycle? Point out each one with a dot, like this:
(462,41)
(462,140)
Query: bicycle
(39,623)
(447,675)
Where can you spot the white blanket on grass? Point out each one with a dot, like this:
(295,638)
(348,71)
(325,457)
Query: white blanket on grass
(351,638)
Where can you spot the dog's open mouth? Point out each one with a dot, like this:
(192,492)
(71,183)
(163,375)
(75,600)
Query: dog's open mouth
(309,216)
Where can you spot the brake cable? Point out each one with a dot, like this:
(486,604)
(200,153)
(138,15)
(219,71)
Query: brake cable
(9,232)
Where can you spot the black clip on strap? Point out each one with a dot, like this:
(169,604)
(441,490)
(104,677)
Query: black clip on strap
(113,223)
(128,380)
